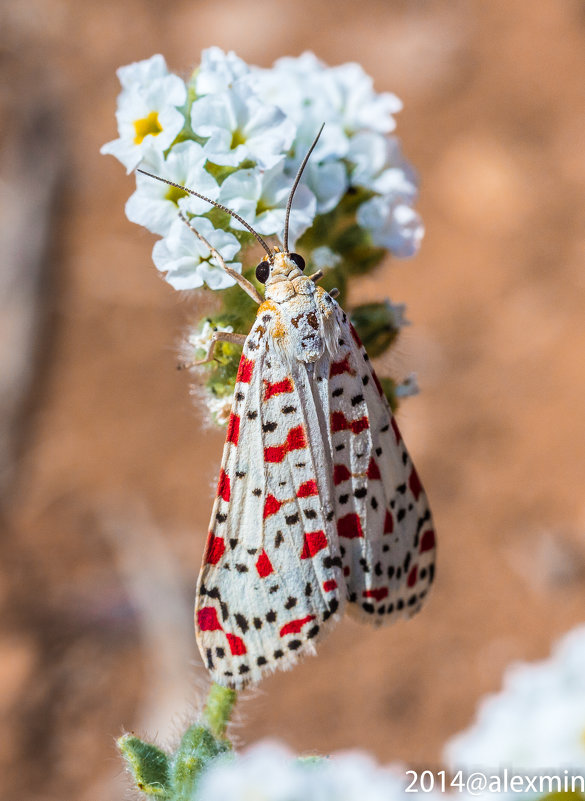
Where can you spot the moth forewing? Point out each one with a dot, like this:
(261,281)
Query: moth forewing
(271,579)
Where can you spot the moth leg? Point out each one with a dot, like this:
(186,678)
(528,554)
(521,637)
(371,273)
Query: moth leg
(316,276)
(334,292)
(217,336)
(248,287)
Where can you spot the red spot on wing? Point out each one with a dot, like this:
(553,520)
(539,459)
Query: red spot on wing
(357,426)
(414,484)
(340,474)
(373,470)
(314,542)
(377,595)
(350,526)
(271,506)
(411,580)
(388,522)
(343,366)
(207,619)
(233,431)
(339,422)
(427,542)
(214,550)
(223,486)
(307,489)
(295,625)
(245,370)
(275,453)
(295,440)
(264,565)
(236,644)
(355,336)
(329,585)
(277,388)
(396,430)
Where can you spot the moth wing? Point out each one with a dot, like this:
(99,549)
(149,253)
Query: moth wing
(271,579)
(384,523)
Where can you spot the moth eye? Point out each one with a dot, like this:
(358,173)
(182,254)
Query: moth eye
(298,260)
(263,271)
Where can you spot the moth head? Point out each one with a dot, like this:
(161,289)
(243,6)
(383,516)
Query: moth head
(283,265)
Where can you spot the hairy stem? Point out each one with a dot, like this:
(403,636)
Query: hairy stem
(218,709)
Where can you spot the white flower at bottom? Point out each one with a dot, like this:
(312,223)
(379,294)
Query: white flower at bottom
(536,722)
(394,226)
(269,772)
(186,260)
(155,204)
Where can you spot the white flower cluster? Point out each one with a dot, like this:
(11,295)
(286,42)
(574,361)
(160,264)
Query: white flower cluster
(268,771)
(237,134)
(536,722)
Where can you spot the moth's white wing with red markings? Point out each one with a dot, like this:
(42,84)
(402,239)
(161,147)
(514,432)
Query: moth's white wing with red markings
(383,519)
(271,575)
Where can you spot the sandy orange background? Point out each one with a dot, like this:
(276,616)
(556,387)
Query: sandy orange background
(106,474)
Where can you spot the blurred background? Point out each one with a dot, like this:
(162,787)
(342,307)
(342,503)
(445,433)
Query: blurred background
(106,474)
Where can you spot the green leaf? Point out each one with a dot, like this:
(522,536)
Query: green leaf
(148,764)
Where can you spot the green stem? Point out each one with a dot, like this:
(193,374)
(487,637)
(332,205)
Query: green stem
(218,709)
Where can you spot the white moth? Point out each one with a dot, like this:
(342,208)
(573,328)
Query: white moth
(319,509)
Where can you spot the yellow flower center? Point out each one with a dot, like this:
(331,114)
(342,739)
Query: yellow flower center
(238,138)
(174,194)
(261,207)
(147,125)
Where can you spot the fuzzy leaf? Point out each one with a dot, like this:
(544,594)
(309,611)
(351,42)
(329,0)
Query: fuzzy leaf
(148,764)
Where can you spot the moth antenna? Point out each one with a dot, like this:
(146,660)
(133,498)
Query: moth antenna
(294,186)
(212,203)
(248,287)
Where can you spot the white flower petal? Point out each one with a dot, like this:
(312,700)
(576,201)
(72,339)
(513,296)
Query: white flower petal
(240,126)
(142,73)
(184,257)
(147,119)
(323,258)
(218,71)
(260,197)
(397,228)
(154,204)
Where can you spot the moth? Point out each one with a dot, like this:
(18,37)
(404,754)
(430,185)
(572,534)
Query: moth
(319,509)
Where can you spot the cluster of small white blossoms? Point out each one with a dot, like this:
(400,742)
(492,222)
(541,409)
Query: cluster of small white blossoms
(268,771)
(251,127)
(536,722)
